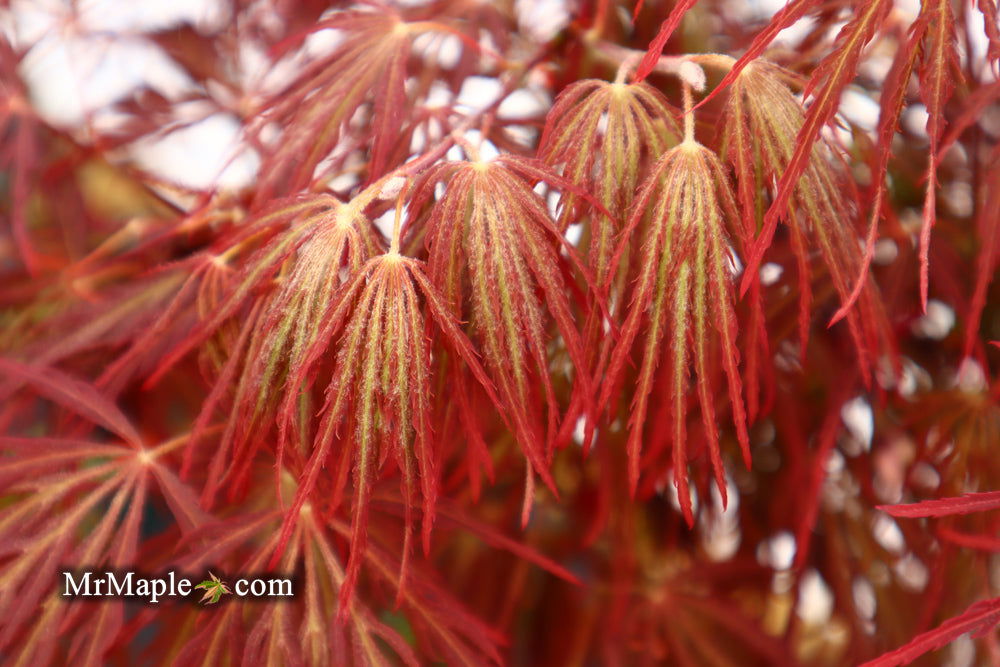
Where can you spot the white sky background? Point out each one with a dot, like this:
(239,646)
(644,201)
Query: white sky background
(78,67)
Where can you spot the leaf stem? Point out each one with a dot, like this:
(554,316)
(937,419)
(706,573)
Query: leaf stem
(688,113)
(628,64)
(470,149)
(685,67)
(717,60)
(397,221)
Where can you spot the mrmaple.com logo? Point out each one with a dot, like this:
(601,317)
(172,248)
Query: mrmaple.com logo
(151,589)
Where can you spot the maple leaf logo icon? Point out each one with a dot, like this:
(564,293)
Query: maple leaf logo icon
(214,589)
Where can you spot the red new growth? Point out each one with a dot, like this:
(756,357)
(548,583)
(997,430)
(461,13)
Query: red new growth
(589,332)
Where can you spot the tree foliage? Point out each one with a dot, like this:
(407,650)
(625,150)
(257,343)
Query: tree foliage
(722,281)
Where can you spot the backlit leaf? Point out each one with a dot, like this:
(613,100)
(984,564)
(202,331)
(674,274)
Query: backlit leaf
(683,292)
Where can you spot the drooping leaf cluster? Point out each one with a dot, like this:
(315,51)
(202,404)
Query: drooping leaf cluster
(725,289)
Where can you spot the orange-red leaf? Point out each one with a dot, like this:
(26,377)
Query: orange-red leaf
(684,290)
(494,250)
(381,391)
(667,28)
(937,74)
(72,394)
(828,82)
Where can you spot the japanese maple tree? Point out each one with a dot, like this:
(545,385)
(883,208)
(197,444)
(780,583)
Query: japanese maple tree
(576,332)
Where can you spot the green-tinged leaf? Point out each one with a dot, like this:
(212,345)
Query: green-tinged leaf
(764,122)
(937,74)
(381,391)
(638,126)
(827,83)
(683,293)
(214,589)
(494,256)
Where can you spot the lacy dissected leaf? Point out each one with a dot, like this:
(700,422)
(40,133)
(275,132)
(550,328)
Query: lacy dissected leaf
(672,609)
(977,620)
(783,18)
(972,421)
(368,69)
(683,291)
(241,265)
(763,124)
(937,74)
(333,406)
(297,631)
(180,296)
(118,317)
(214,589)
(930,50)
(827,83)
(704,630)
(249,333)
(307,629)
(71,393)
(116,295)
(494,254)
(330,247)
(601,135)
(378,402)
(74,505)
(369,65)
